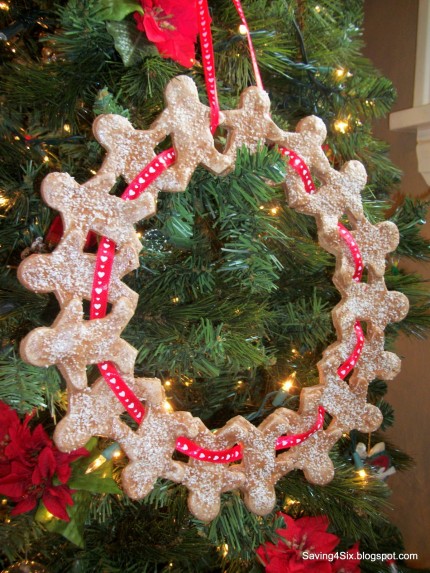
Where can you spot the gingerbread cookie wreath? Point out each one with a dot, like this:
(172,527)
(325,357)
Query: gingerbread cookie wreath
(239,455)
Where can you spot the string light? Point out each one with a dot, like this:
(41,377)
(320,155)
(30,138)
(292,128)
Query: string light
(99,461)
(46,159)
(175,299)
(341,125)
(242,30)
(274,210)
(187,381)
(93,171)
(4,6)
(168,383)
(167,406)
(288,384)
(362,473)
(17,138)
(3,200)
(318,8)
(223,549)
(66,128)
(342,73)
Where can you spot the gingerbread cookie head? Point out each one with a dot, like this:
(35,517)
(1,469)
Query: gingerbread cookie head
(313,129)
(181,91)
(255,100)
(129,150)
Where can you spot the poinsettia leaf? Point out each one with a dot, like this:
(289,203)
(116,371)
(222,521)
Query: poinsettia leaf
(72,530)
(97,481)
(130,43)
(118,9)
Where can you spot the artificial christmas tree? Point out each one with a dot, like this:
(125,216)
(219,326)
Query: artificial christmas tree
(235,292)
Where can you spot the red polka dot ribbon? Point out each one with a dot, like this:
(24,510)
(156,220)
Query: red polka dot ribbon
(208,60)
(300,168)
(349,364)
(102,274)
(124,394)
(234,454)
(252,53)
(354,250)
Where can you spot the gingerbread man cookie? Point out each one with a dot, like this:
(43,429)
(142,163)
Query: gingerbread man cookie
(90,207)
(254,102)
(186,119)
(57,272)
(129,150)
(72,342)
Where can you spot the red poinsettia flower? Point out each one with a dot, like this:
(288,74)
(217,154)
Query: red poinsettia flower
(9,424)
(306,535)
(26,486)
(34,467)
(172,26)
(350,563)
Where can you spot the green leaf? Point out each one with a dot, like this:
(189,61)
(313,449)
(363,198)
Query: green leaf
(118,9)
(130,43)
(97,481)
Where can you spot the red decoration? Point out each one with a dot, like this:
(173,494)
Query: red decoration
(306,547)
(172,26)
(350,563)
(31,467)
(55,234)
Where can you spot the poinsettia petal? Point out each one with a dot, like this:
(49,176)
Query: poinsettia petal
(12,486)
(349,565)
(265,552)
(178,49)
(278,565)
(139,21)
(56,499)
(315,529)
(80,452)
(182,15)
(316,523)
(25,505)
(152,30)
(40,438)
(292,531)
(46,465)
(5,468)
(63,492)
(64,460)
(172,26)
